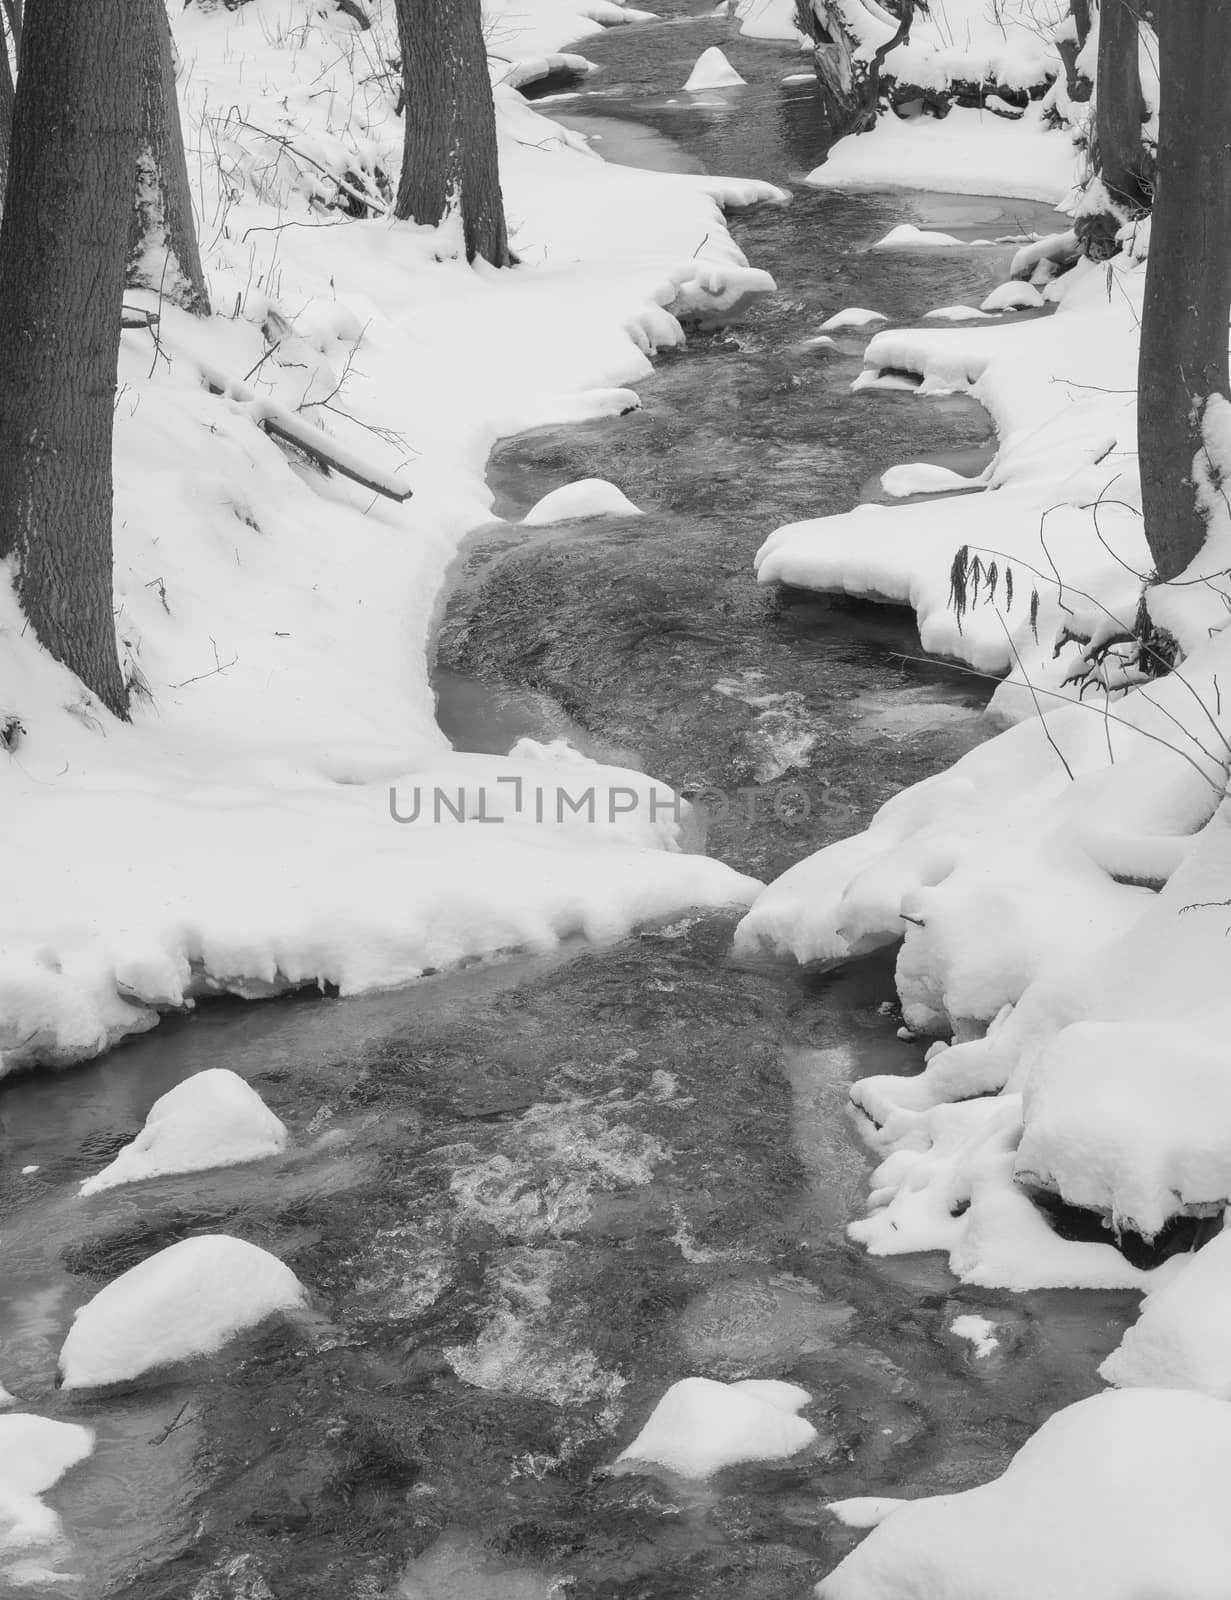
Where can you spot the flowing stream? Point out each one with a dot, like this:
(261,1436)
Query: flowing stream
(529,1197)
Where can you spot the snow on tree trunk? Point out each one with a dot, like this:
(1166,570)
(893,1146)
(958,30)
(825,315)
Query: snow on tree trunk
(6,106)
(1121,188)
(162,251)
(62,251)
(449,161)
(1188,279)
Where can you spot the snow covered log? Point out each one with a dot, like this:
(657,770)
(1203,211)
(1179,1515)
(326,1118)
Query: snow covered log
(280,423)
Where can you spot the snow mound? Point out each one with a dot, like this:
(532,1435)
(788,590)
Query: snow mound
(700,1426)
(978,1331)
(769,19)
(1182,1339)
(966,153)
(923,477)
(589,497)
(852,317)
(1115,1498)
(188,1300)
(955,314)
(6,1399)
(35,1453)
(712,71)
(1013,297)
(213,1119)
(906,236)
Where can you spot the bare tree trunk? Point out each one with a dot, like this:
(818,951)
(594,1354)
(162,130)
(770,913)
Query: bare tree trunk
(1120,109)
(1077,84)
(62,249)
(449,157)
(1188,278)
(162,251)
(6,105)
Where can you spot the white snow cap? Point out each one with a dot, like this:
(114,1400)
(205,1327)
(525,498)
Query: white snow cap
(588,497)
(187,1300)
(907,237)
(35,1453)
(1117,1497)
(712,71)
(213,1119)
(1013,297)
(1182,1339)
(700,1426)
(852,317)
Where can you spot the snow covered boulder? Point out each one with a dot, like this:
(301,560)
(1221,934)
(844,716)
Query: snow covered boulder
(700,1426)
(1119,1497)
(852,317)
(213,1119)
(35,1453)
(1182,1339)
(906,236)
(1013,297)
(187,1300)
(588,497)
(712,71)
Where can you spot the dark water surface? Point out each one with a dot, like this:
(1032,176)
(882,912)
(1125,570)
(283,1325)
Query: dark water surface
(527,1198)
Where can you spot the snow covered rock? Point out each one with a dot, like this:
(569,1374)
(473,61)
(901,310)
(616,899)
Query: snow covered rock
(213,1119)
(188,1300)
(589,497)
(852,317)
(1115,1498)
(35,1453)
(955,314)
(769,19)
(712,71)
(700,1426)
(1182,1339)
(906,236)
(924,477)
(1013,297)
(6,1399)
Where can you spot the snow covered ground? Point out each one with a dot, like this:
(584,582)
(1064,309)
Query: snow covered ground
(238,834)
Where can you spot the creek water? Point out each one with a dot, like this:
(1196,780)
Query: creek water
(527,1198)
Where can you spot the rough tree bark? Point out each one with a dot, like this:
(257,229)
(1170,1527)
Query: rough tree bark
(162,247)
(6,104)
(449,158)
(1188,277)
(62,252)
(1118,151)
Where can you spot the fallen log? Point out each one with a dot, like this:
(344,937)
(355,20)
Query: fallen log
(282,424)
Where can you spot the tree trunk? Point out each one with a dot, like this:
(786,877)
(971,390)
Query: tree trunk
(162,248)
(449,158)
(1188,277)
(62,250)
(1119,107)
(6,105)
(1077,84)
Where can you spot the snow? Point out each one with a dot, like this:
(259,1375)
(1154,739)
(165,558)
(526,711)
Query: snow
(979,1331)
(236,836)
(712,71)
(1013,297)
(1182,1338)
(853,317)
(1115,1498)
(769,19)
(701,1426)
(35,1453)
(213,1119)
(955,314)
(187,1300)
(590,497)
(906,236)
(968,152)
(923,477)
(6,1399)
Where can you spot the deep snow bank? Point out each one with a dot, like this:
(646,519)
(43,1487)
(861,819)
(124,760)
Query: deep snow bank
(274,622)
